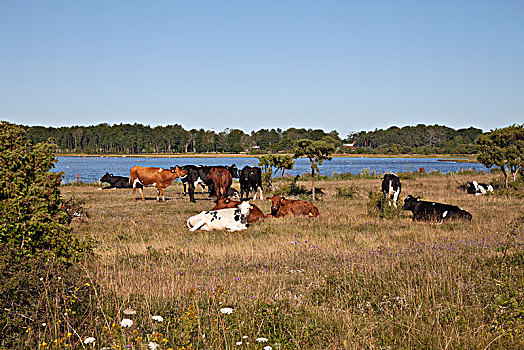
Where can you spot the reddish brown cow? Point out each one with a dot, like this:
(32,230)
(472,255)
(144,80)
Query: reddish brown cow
(255,214)
(148,176)
(222,181)
(282,207)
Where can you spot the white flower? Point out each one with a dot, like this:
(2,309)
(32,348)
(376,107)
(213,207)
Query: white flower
(89,340)
(226,310)
(126,322)
(158,318)
(267,347)
(244,337)
(238,343)
(261,340)
(152,345)
(44,324)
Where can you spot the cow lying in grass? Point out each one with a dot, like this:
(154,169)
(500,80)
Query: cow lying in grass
(115,181)
(433,211)
(282,207)
(478,189)
(255,214)
(232,219)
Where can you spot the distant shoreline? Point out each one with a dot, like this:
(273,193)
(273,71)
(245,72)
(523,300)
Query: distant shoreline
(466,158)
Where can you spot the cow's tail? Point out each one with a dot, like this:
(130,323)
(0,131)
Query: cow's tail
(219,195)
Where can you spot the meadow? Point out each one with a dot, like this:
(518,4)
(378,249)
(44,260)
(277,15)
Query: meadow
(347,280)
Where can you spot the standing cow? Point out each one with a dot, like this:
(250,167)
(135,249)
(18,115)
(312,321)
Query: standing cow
(391,188)
(149,176)
(222,181)
(250,178)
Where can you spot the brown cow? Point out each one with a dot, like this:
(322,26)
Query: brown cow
(148,176)
(255,214)
(222,181)
(282,207)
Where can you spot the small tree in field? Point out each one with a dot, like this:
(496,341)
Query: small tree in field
(317,152)
(503,148)
(33,215)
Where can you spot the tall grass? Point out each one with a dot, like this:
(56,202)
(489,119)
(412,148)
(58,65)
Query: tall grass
(346,280)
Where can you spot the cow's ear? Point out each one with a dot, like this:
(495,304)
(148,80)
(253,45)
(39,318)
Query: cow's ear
(227,200)
(251,206)
(268,198)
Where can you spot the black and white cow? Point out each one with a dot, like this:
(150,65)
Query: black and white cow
(478,189)
(250,178)
(433,211)
(232,219)
(391,188)
(198,175)
(116,181)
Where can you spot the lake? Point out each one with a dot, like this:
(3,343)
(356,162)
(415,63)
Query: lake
(91,169)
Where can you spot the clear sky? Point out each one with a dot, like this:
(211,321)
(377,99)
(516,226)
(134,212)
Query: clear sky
(336,65)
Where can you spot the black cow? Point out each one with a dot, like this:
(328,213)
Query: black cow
(478,189)
(198,174)
(250,178)
(432,211)
(117,181)
(391,188)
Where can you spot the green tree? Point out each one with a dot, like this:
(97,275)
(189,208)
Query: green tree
(317,152)
(503,148)
(283,163)
(33,215)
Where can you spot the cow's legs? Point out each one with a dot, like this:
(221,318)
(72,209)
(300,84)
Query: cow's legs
(395,198)
(191,188)
(142,193)
(134,192)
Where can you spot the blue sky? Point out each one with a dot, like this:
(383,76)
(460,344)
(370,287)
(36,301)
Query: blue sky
(335,65)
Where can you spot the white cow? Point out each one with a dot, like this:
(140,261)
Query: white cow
(232,219)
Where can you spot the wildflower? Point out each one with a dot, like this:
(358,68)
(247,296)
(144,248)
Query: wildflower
(226,310)
(152,345)
(126,322)
(244,337)
(87,284)
(267,347)
(238,343)
(89,340)
(129,312)
(261,340)
(158,318)
(44,324)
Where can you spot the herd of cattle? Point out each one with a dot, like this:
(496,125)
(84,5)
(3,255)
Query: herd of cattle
(237,215)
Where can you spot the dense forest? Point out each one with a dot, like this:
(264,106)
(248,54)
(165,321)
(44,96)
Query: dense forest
(144,139)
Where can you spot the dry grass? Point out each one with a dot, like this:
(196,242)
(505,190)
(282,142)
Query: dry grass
(344,280)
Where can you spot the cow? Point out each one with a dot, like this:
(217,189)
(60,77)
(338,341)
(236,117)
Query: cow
(232,219)
(282,207)
(433,211)
(149,176)
(115,181)
(478,189)
(391,188)
(255,214)
(198,174)
(222,180)
(250,177)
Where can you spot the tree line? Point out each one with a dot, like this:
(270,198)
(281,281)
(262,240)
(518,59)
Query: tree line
(144,139)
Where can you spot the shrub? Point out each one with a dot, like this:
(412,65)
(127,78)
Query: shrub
(378,206)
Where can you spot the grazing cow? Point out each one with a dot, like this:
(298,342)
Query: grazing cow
(432,211)
(115,181)
(255,214)
(250,177)
(232,219)
(222,181)
(478,189)
(282,207)
(148,176)
(391,188)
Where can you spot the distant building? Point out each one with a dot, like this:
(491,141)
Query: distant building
(350,145)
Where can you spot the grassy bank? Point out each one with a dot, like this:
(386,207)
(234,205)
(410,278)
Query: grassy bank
(346,280)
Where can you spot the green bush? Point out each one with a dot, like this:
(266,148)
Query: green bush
(378,206)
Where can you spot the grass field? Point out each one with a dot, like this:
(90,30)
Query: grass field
(346,280)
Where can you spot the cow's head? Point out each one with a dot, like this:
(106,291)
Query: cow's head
(276,202)
(233,170)
(244,207)
(409,202)
(226,203)
(179,172)
(106,177)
